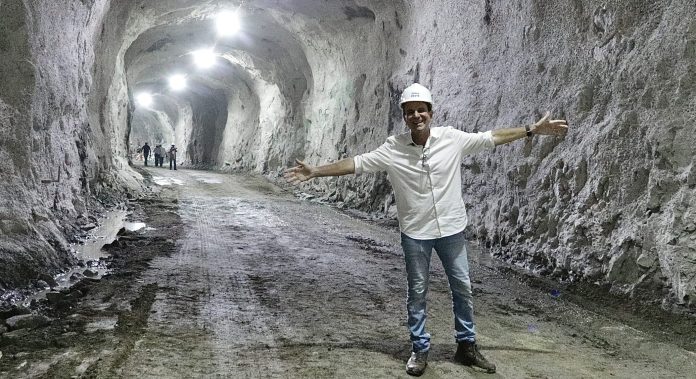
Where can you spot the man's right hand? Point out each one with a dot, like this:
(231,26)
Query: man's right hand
(299,173)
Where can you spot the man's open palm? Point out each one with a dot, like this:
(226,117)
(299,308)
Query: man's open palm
(550,127)
(299,173)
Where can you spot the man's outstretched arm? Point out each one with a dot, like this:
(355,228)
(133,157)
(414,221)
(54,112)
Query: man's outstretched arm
(541,127)
(303,172)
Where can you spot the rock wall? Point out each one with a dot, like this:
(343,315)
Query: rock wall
(613,202)
(51,157)
(352,102)
(238,140)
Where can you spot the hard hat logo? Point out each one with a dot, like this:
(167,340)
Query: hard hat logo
(416,92)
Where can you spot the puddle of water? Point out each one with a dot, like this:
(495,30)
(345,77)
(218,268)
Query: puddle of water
(208,180)
(162,181)
(103,324)
(67,279)
(134,226)
(103,234)
(91,254)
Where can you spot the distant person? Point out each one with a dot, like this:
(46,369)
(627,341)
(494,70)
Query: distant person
(423,166)
(146,152)
(172,157)
(163,154)
(159,155)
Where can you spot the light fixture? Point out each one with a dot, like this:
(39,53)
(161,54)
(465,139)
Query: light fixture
(144,99)
(204,58)
(227,23)
(177,82)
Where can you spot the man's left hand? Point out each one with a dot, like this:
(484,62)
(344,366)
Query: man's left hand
(549,127)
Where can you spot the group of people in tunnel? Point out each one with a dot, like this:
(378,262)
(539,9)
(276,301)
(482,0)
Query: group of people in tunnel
(423,166)
(160,152)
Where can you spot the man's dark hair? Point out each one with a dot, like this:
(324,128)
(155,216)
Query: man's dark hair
(403,108)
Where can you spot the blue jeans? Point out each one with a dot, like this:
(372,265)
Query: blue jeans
(452,253)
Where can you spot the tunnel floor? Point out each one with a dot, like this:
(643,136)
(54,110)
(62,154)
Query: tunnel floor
(237,278)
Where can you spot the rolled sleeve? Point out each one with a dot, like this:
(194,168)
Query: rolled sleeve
(374,161)
(472,143)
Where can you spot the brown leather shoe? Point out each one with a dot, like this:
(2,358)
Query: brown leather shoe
(468,354)
(417,363)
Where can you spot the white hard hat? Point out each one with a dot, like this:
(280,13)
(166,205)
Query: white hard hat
(416,92)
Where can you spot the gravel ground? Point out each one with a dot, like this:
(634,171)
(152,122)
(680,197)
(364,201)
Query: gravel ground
(237,278)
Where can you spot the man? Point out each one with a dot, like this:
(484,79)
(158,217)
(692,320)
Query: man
(424,168)
(172,157)
(158,154)
(146,152)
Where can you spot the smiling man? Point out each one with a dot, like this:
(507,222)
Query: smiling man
(424,169)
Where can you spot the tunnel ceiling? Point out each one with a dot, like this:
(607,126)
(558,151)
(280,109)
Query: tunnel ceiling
(166,50)
(251,106)
(264,48)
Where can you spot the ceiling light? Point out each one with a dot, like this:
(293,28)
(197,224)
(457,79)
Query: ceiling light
(204,58)
(177,82)
(227,23)
(144,99)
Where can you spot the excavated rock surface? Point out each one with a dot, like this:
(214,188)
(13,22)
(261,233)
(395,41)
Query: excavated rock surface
(55,162)
(611,203)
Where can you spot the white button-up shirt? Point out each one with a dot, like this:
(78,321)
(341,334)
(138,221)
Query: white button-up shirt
(427,180)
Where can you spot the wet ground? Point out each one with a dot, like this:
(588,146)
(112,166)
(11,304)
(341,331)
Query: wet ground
(234,277)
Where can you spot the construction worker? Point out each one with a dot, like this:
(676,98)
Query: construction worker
(423,166)
(159,155)
(172,157)
(146,152)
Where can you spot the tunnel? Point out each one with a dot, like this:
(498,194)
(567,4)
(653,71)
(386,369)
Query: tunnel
(604,214)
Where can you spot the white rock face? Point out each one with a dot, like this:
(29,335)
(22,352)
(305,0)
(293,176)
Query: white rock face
(52,159)
(612,202)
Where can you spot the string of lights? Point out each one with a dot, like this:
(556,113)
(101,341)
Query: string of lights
(227,24)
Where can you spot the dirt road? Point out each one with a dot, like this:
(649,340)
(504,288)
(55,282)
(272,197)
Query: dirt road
(237,278)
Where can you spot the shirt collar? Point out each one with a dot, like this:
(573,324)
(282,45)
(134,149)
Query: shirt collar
(435,133)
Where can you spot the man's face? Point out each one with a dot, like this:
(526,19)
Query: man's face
(417,116)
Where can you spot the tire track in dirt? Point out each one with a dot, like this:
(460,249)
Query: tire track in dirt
(260,285)
(209,310)
(263,285)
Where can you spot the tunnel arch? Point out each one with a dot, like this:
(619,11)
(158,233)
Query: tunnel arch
(250,63)
(283,63)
